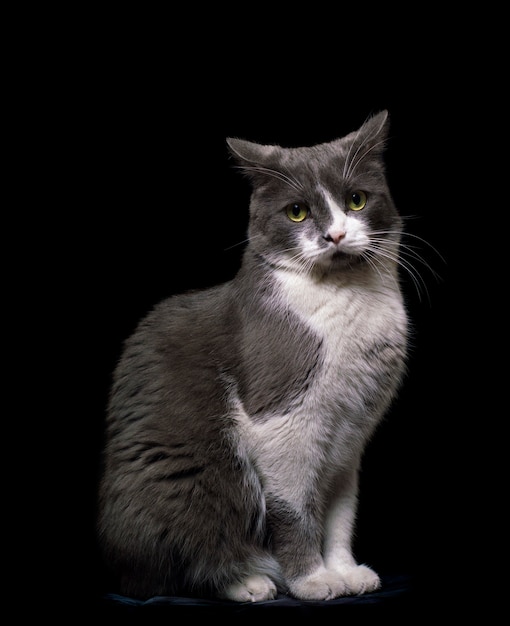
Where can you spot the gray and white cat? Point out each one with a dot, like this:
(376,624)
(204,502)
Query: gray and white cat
(239,414)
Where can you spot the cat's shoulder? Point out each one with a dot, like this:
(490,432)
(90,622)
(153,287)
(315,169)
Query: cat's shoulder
(202,309)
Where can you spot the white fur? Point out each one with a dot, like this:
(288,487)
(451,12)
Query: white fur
(288,447)
(339,216)
(255,588)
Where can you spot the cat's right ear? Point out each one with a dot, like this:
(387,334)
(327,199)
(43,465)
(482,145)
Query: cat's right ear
(248,153)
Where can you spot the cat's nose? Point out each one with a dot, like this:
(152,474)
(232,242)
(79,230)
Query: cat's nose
(335,236)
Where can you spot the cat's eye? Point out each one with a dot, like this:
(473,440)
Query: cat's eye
(356,200)
(297,212)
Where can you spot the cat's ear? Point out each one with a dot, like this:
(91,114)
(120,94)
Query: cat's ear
(253,158)
(248,152)
(373,133)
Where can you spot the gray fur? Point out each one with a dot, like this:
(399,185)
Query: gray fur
(238,415)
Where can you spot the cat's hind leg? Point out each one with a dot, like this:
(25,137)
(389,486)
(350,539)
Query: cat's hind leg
(261,580)
(254,588)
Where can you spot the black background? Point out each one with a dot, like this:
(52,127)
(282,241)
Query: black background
(146,203)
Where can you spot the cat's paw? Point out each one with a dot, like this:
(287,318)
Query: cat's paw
(321,585)
(328,584)
(359,579)
(254,588)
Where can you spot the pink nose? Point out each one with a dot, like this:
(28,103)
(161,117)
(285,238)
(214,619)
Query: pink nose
(335,236)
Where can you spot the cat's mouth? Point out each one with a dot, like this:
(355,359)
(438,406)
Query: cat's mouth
(342,257)
(340,254)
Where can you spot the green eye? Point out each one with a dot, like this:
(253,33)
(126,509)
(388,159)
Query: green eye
(297,212)
(356,200)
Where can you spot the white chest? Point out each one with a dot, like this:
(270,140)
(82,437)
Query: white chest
(342,312)
(330,425)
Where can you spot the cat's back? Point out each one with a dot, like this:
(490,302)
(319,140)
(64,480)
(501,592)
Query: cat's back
(174,353)
(191,319)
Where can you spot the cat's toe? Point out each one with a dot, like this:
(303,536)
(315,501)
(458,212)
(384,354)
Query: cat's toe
(254,588)
(321,585)
(360,579)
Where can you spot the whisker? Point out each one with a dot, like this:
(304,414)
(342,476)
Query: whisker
(412,254)
(349,162)
(353,165)
(291,181)
(415,276)
(240,243)
(371,259)
(427,243)
(411,250)
(404,258)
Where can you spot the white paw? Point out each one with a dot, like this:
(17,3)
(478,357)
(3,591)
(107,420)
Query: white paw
(328,584)
(321,585)
(359,579)
(252,589)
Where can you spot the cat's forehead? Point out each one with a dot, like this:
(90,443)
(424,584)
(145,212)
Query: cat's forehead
(357,154)
(314,156)
(273,154)
(371,135)
(326,162)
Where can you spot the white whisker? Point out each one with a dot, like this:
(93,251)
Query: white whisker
(292,182)
(405,257)
(235,245)
(352,163)
(243,242)
(371,260)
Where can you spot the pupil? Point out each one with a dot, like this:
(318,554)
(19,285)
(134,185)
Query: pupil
(296,210)
(355,198)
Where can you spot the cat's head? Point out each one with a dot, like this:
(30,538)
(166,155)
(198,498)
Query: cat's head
(322,207)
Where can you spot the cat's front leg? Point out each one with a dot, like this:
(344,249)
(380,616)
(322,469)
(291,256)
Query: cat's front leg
(339,524)
(296,541)
(328,583)
(321,584)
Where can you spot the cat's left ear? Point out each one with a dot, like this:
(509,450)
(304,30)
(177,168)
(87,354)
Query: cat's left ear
(248,152)
(253,158)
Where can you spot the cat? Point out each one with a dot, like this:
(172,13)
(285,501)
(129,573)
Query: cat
(238,415)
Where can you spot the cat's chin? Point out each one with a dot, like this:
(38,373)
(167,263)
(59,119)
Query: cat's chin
(341,255)
(340,259)
(336,264)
